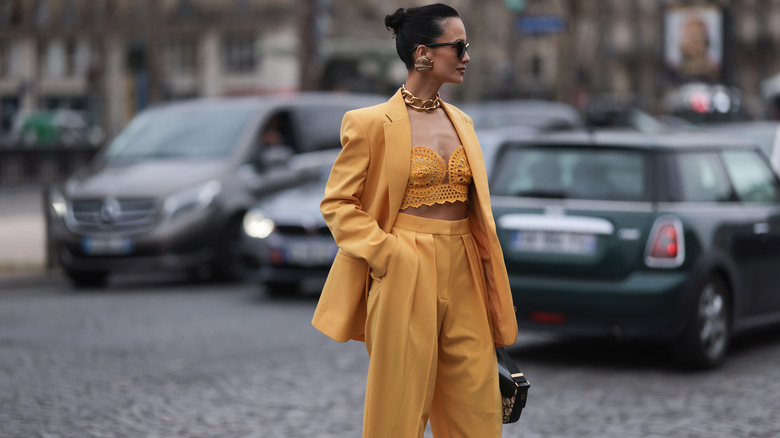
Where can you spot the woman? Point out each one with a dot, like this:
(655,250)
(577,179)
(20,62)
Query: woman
(419,275)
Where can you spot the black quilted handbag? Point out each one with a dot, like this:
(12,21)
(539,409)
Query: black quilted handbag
(514,386)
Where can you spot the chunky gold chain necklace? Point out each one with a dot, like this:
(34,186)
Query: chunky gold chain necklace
(418,104)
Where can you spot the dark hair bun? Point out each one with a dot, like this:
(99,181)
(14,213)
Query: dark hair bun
(395,20)
(417,26)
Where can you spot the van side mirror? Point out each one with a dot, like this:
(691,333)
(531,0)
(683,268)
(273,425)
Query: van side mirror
(275,156)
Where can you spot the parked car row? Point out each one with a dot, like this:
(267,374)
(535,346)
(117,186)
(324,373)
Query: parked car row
(289,248)
(671,237)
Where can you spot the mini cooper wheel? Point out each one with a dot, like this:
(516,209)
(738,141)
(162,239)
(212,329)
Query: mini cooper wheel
(705,340)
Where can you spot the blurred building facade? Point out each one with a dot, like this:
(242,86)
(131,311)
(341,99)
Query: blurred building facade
(111,58)
(638,52)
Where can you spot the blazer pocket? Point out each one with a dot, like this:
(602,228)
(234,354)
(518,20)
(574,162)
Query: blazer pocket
(393,256)
(374,276)
(374,285)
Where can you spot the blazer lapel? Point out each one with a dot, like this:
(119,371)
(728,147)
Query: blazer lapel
(398,152)
(474,153)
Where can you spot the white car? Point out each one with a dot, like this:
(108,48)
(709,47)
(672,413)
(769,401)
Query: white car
(766,134)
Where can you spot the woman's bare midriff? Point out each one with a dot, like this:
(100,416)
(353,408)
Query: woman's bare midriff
(449,211)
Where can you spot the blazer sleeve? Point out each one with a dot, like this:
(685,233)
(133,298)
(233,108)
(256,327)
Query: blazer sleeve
(356,232)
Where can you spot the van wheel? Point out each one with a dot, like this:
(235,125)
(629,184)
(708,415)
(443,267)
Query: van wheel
(228,264)
(281,290)
(705,340)
(87,279)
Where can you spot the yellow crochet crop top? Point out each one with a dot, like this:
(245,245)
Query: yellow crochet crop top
(431,181)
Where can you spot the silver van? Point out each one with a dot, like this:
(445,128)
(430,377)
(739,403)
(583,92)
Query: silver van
(170,191)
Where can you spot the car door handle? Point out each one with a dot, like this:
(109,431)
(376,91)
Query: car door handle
(761,228)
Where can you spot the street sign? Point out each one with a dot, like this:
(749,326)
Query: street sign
(540,24)
(515,5)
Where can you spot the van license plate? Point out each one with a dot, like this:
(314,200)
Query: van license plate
(106,245)
(311,253)
(555,242)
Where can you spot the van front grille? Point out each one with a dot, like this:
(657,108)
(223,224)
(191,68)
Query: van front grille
(111,214)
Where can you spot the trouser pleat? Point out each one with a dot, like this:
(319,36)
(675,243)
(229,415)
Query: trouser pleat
(429,341)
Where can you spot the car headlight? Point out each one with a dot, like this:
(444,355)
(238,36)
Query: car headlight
(257,225)
(58,203)
(191,200)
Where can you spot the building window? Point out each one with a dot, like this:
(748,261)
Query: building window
(11,12)
(70,12)
(101,9)
(184,10)
(41,13)
(71,57)
(52,56)
(66,57)
(241,8)
(84,54)
(5,59)
(181,55)
(14,59)
(239,53)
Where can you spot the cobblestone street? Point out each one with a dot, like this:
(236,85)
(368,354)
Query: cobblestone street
(167,358)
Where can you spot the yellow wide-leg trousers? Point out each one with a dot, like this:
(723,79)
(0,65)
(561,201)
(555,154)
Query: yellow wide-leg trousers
(428,337)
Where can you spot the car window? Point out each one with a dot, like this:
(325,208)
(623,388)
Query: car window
(702,178)
(762,135)
(202,133)
(541,119)
(577,173)
(765,139)
(277,131)
(318,127)
(752,178)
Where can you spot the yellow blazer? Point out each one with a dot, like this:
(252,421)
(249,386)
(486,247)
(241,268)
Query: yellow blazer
(362,200)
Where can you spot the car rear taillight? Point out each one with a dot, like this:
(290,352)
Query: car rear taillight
(666,245)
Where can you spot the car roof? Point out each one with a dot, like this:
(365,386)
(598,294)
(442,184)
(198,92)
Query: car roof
(528,112)
(639,140)
(272,101)
(740,127)
(529,105)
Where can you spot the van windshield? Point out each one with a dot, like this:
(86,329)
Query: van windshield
(316,127)
(188,134)
(572,173)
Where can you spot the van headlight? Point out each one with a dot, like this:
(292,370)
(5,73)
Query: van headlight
(191,200)
(257,225)
(58,203)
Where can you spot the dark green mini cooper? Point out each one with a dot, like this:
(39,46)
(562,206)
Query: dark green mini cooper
(670,237)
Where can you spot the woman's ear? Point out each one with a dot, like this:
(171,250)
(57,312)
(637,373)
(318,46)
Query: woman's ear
(421,51)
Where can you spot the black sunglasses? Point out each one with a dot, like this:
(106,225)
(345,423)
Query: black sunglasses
(460,45)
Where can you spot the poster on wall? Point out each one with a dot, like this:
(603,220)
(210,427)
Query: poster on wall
(694,42)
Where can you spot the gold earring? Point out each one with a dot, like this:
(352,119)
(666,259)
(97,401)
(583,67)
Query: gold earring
(423,63)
